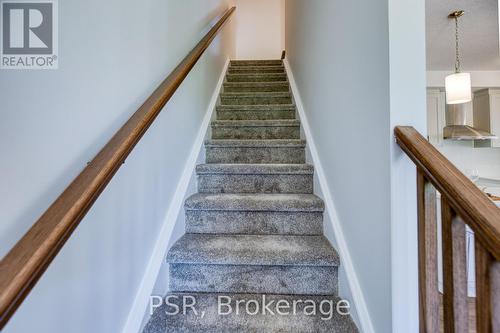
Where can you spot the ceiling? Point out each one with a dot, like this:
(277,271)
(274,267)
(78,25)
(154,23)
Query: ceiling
(479,35)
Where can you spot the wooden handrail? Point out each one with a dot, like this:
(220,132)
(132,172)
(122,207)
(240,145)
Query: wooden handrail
(462,203)
(473,206)
(23,266)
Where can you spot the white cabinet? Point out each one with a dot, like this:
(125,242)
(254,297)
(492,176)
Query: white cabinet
(436,117)
(487,115)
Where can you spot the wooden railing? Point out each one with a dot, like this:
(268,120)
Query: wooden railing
(462,203)
(22,267)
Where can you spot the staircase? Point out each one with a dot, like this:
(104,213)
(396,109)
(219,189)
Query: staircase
(255,228)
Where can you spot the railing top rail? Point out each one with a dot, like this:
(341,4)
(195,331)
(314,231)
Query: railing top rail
(22,267)
(468,201)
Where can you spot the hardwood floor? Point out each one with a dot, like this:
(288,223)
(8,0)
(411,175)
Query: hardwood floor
(472,314)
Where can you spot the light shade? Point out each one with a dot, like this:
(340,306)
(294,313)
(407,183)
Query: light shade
(458,88)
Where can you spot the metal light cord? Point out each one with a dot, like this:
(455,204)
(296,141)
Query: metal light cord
(457,52)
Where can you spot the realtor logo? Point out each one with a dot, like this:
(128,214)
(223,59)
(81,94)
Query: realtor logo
(29,35)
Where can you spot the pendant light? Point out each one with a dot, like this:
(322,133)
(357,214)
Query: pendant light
(458,85)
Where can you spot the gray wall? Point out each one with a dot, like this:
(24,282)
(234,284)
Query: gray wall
(342,72)
(112,55)
(360,71)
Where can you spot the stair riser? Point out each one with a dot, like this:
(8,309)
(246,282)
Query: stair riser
(255,70)
(246,88)
(256,63)
(250,100)
(230,183)
(256,78)
(297,280)
(254,222)
(264,132)
(266,155)
(256,115)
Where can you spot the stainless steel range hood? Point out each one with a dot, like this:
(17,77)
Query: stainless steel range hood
(465,132)
(459,130)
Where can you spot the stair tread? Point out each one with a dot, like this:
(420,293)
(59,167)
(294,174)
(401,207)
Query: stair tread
(257,94)
(248,62)
(242,322)
(284,202)
(253,169)
(263,66)
(256,84)
(263,107)
(264,250)
(258,74)
(257,123)
(250,143)
(257,69)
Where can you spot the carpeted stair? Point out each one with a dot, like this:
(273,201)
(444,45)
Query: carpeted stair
(255,229)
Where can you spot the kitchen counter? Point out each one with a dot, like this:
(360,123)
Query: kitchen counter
(490,186)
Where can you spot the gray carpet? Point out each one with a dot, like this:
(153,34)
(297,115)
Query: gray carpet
(254,243)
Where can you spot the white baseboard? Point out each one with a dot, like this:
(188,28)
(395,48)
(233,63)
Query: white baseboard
(141,302)
(345,257)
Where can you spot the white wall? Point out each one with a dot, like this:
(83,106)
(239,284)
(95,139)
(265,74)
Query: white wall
(408,107)
(345,92)
(260,26)
(485,160)
(355,85)
(112,55)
